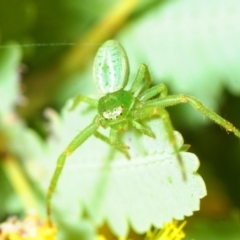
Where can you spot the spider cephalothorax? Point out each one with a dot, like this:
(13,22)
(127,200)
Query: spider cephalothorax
(115,105)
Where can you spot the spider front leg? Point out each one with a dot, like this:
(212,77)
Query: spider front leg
(113,138)
(144,92)
(143,129)
(107,140)
(159,89)
(142,80)
(148,112)
(81,98)
(173,100)
(74,144)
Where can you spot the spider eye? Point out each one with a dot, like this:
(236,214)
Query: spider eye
(114,114)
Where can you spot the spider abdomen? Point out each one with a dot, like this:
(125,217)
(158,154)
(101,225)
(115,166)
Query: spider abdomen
(110,68)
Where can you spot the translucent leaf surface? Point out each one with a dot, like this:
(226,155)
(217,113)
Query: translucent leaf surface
(146,190)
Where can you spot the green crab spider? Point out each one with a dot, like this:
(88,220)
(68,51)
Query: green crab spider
(119,108)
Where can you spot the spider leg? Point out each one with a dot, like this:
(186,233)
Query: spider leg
(143,129)
(173,100)
(159,89)
(81,98)
(107,140)
(113,139)
(142,80)
(141,85)
(73,145)
(148,112)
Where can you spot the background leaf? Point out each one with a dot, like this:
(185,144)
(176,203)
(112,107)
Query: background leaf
(9,78)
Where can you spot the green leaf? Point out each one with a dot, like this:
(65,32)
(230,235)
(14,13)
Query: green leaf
(97,180)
